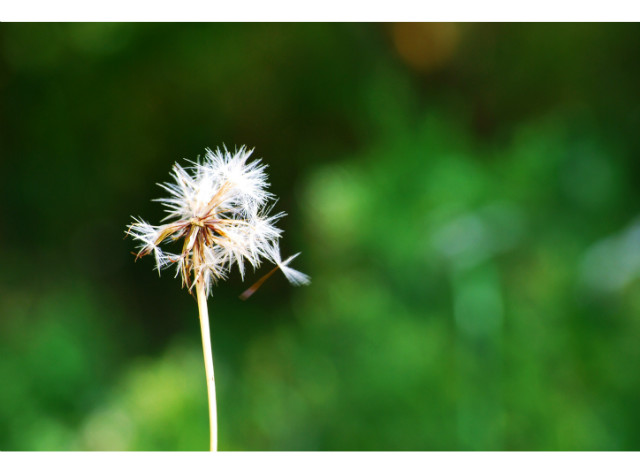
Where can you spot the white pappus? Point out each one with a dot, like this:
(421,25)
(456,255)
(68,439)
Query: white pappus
(220,208)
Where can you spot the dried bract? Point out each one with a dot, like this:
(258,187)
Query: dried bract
(219,209)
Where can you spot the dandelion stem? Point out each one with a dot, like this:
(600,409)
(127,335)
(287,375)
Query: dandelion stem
(208,363)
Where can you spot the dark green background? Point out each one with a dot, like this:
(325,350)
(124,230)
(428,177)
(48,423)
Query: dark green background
(465,197)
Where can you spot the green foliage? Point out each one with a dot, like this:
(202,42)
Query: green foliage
(470,227)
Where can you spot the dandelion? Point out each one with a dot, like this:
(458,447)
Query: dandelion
(219,210)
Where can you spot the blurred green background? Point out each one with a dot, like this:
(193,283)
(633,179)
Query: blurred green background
(465,197)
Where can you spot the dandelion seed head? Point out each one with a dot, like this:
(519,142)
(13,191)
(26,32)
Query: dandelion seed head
(219,209)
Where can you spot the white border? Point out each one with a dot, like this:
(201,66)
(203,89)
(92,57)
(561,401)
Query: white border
(263,462)
(326,10)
